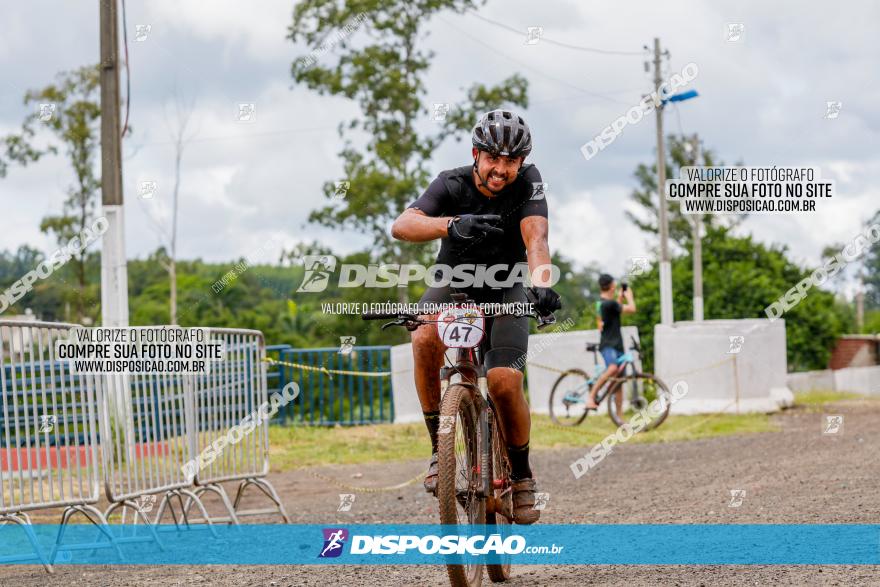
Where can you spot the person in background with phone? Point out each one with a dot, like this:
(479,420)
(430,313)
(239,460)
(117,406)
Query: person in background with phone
(611,305)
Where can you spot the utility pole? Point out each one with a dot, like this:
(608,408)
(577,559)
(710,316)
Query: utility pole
(698,243)
(665,267)
(114,273)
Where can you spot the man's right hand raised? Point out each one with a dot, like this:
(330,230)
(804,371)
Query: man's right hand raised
(467,227)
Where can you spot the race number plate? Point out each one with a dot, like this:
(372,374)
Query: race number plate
(461,328)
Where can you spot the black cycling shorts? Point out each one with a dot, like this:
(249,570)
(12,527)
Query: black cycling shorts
(506,340)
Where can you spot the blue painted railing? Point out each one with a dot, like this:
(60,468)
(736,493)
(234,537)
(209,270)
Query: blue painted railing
(328,399)
(325,399)
(23,425)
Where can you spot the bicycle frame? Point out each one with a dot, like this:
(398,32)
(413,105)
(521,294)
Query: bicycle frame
(626,362)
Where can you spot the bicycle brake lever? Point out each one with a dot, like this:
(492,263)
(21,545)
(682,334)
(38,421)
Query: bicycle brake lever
(397,322)
(545,321)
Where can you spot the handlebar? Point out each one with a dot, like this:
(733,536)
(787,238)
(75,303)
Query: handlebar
(384,315)
(635,344)
(411,320)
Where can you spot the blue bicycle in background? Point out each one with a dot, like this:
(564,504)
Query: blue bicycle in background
(568,399)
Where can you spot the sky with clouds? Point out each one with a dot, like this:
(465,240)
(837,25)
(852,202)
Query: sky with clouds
(762,101)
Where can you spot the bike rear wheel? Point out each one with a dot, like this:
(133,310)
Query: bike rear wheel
(568,398)
(654,393)
(503,493)
(459,478)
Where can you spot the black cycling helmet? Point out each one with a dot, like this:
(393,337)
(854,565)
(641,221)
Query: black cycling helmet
(502,132)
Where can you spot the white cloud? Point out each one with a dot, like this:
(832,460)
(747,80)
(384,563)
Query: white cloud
(761,101)
(260,29)
(839,219)
(586,232)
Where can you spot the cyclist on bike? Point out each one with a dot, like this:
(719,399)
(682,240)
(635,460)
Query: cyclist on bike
(612,304)
(490,212)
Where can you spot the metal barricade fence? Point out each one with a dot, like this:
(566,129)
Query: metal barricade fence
(48,432)
(146,423)
(231,391)
(151,428)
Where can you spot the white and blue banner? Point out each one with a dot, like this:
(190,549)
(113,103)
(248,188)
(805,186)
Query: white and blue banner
(653,544)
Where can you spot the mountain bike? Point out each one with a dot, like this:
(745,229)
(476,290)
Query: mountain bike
(568,398)
(473,484)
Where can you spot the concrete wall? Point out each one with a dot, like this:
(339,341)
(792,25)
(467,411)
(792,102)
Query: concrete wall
(811,381)
(723,375)
(858,379)
(854,379)
(406,401)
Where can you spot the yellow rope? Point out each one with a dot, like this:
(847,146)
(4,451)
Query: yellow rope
(326,370)
(356,489)
(704,368)
(546,367)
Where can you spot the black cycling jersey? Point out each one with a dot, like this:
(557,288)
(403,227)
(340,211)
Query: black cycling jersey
(454,193)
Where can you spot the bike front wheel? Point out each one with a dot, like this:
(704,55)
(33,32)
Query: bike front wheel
(503,501)
(652,393)
(568,398)
(459,478)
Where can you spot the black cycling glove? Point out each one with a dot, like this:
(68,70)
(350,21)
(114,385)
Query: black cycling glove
(546,300)
(470,226)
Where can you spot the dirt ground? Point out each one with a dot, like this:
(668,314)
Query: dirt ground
(795,476)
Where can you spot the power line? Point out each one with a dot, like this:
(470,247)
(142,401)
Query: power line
(127,70)
(557,43)
(678,117)
(527,66)
(246,136)
(579,97)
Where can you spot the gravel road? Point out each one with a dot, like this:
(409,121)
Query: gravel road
(796,475)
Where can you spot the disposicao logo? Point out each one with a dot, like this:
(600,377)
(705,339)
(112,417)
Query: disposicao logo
(334,540)
(318,270)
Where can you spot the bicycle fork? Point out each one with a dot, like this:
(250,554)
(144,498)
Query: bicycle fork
(484,441)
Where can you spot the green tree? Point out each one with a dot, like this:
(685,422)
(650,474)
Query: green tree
(741,277)
(871,273)
(13,266)
(70,109)
(680,152)
(386,154)
(872,322)
(579,291)
(18,148)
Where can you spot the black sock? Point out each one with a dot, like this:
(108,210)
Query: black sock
(432,421)
(519,462)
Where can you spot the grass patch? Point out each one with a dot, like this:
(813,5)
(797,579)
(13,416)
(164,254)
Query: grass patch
(300,446)
(292,447)
(819,398)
